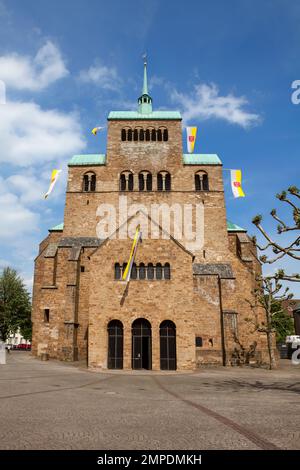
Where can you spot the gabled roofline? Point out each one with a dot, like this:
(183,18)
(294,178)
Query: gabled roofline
(140,211)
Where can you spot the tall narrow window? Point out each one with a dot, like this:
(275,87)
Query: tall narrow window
(159,135)
(142,271)
(159,182)
(123,135)
(153,135)
(142,135)
(93,183)
(117,271)
(149,182)
(167,271)
(141,182)
(147,135)
(85,183)
(205,182)
(168,182)
(123,182)
(123,268)
(197,182)
(135,135)
(133,272)
(115,345)
(150,271)
(165,135)
(129,135)
(159,271)
(130,182)
(46,315)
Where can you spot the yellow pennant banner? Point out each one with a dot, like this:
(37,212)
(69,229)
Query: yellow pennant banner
(54,177)
(137,237)
(191,134)
(236,183)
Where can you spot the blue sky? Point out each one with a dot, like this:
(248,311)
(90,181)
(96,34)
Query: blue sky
(228,66)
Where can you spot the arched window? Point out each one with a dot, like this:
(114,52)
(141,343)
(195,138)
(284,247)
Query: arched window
(89,182)
(159,271)
(129,135)
(135,135)
(145,181)
(167,271)
(168,182)
(163,181)
(147,133)
(93,183)
(123,268)
(133,274)
(85,183)
(167,333)
(201,181)
(142,271)
(149,182)
(141,182)
(159,135)
(122,182)
(123,135)
(150,271)
(117,271)
(159,182)
(153,135)
(126,181)
(142,136)
(165,135)
(115,345)
(205,182)
(141,344)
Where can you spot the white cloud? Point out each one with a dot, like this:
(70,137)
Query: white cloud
(101,76)
(16,219)
(33,74)
(29,134)
(207,103)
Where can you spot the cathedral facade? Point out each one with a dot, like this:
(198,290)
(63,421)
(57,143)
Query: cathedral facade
(186,304)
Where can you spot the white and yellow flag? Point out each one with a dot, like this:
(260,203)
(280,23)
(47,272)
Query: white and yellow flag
(96,130)
(236,183)
(54,177)
(137,238)
(191,133)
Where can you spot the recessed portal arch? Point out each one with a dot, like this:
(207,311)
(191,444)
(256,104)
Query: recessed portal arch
(167,333)
(141,344)
(115,344)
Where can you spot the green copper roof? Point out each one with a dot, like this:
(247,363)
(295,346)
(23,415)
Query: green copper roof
(57,228)
(231,227)
(134,115)
(92,159)
(201,159)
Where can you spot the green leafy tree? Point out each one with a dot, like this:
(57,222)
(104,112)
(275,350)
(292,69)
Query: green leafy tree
(282,322)
(15,305)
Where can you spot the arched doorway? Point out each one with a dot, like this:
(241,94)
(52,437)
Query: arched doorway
(115,345)
(141,344)
(167,332)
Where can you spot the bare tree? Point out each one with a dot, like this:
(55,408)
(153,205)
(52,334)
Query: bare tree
(293,248)
(267,296)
